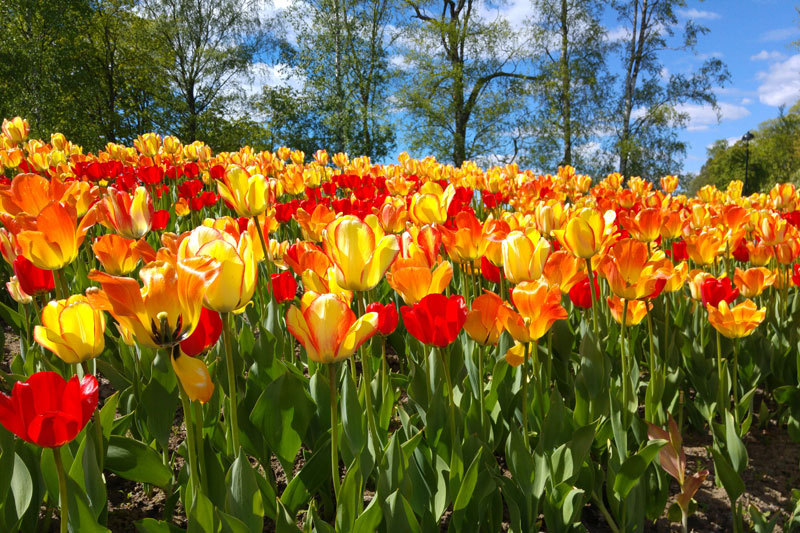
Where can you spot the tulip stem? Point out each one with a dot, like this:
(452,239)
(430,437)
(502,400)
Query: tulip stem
(62,489)
(450,396)
(334,430)
(231,370)
(735,379)
(61,284)
(384,371)
(98,428)
(265,253)
(594,300)
(366,382)
(721,396)
(481,357)
(190,444)
(524,370)
(624,357)
(198,427)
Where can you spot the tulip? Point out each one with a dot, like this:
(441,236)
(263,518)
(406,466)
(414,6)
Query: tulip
(490,272)
(360,252)
(637,310)
(16,292)
(714,291)
(118,255)
(538,306)
(631,272)
(166,310)
(564,269)
(413,279)
(387,317)
(284,286)
(486,320)
(585,232)
(463,244)
(205,335)
(524,256)
(51,240)
(392,215)
(32,279)
(669,184)
(431,204)
(759,253)
(160,220)
(753,281)
(644,226)
(72,329)
(737,321)
(436,319)
(130,216)
(248,195)
(705,247)
(327,327)
(30,193)
(193,375)
(233,286)
(579,294)
(16,130)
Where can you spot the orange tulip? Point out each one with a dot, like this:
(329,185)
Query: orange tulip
(772,228)
(306,256)
(51,239)
(737,321)
(312,225)
(327,327)
(392,215)
(194,376)
(465,243)
(671,224)
(631,272)
(538,306)
(486,321)
(704,248)
(637,310)
(166,309)
(118,255)
(30,193)
(753,281)
(760,253)
(644,226)
(494,233)
(669,184)
(564,269)
(413,279)
(696,279)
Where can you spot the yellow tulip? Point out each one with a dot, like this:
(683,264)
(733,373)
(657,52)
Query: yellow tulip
(524,255)
(360,252)
(248,194)
(327,327)
(72,329)
(430,204)
(16,129)
(234,261)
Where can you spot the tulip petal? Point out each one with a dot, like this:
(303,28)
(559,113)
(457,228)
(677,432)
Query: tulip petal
(360,331)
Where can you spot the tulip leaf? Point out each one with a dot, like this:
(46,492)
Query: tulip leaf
(735,447)
(731,481)
(634,466)
(399,514)
(151,525)
(370,518)
(21,486)
(285,522)
(160,401)
(313,475)
(107,414)
(202,516)
(10,316)
(353,418)
(350,500)
(136,461)
(468,484)
(244,495)
(282,413)
(81,516)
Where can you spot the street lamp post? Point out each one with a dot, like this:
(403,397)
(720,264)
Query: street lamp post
(747,137)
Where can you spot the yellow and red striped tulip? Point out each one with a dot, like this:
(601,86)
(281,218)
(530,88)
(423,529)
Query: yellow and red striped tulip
(129,215)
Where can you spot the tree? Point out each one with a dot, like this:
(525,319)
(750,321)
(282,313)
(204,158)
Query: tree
(211,45)
(647,105)
(570,44)
(342,55)
(464,86)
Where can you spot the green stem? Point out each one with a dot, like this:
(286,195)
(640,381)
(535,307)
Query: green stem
(384,370)
(734,383)
(265,251)
(450,396)
(334,430)
(721,379)
(190,435)
(524,371)
(624,357)
(62,489)
(62,290)
(481,356)
(366,382)
(231,370)
(198,427)
(594,299)
(609,519)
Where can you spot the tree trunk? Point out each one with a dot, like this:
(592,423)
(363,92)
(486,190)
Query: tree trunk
(566,95)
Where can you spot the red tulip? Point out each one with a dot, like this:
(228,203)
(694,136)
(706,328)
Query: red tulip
(436,319)
(580,296)
(208,330)
(48,411)
(284,286)
(716,290)
(490,271)
(160,219)
(796,275)
(679,251)
(741,253)
(387,317)
(31,278)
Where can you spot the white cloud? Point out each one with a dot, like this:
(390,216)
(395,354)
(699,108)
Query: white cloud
(618,33)
(515,12)
(701,117)
(698,14)
(278,75)
(745,101)
(779,34)
(763,55)
(780,85)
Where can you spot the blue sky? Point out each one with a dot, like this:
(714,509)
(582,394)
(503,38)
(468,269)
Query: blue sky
(754,39)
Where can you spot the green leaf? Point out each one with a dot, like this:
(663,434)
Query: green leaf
(282,413)
(633,468)
(136,461)
(353,417)
(244,496)
(21,487)
(350,498)
(151,525)
(160,400)
(399,515)
(313,475)
(371,518)
(731,481)
(468,484)
(202,516)
(81,516)
(285,522)
(734,445)
(107,414)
